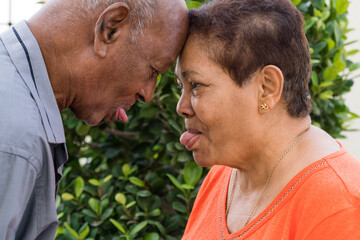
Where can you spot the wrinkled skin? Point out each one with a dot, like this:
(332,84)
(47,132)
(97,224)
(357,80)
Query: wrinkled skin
(96,69)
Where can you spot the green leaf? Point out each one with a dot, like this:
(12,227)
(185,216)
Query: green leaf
(330,73)
(330,43)
(183,156)
(308,24)
(59,231)
(137,181)
(89,213)
(192,173)
(296,2)
(94,182)
(120,198)
(103,204)
(354,66)
(107,213)
(82,129)
(193,4)
(187,186)
(316,124)
(326,84)
(175,125)
(339,61)
(144,193)
(155,213)
(78,186)
(314,62)
(152,236)
(328,94)
(60,215)
(57,201)
(72,231)
(67,196)
(337,32)
(138,227)
(126,169)
(178,206)
(118,225)
(175,182)
(130,204)
(318,3)
(85,232)
(314,79)
(341,6)
(158,225)
(94,204)
(352,52)
(325,13)
(107,178)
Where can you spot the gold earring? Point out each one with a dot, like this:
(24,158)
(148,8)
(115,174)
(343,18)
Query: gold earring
(264,106)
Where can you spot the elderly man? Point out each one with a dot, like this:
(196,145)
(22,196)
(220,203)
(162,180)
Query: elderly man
(96,57)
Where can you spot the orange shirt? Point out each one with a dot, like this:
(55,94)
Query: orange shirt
(320,202)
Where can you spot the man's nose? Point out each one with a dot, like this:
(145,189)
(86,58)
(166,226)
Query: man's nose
(146,93)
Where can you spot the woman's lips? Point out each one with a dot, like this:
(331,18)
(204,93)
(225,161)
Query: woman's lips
(188,139)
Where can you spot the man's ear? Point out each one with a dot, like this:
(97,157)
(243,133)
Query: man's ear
(271,86)
(109,25)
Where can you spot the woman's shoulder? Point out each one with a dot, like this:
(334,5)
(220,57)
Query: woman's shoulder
(346,172)
(334,179)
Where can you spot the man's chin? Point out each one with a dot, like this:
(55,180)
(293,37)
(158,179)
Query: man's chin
(92,122)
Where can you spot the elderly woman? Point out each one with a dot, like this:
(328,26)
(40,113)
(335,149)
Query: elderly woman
(244,74)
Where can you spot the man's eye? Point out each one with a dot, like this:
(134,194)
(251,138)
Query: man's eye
(155,74)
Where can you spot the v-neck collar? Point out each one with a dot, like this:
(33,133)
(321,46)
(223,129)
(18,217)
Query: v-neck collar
(284,196)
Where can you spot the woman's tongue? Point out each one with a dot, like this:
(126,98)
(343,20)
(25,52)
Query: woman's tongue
(186,138)
(122,114)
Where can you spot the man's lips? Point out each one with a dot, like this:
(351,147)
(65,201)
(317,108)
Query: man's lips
(189,138)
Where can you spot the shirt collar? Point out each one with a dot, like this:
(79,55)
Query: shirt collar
(26,55)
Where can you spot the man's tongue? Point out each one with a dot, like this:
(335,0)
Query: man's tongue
(186,137)
(122,114)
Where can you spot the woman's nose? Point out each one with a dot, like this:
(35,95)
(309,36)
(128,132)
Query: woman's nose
(184,108)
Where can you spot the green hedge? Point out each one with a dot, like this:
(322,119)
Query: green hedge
(136,181)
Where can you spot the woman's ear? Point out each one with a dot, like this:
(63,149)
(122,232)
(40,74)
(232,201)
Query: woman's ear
(109,26)
(271,86)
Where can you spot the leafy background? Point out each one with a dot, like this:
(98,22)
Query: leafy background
(136,181)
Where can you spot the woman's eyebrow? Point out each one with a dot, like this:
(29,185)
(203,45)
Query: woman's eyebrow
(186,74)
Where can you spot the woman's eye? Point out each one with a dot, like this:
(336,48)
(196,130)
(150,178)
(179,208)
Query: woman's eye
(195,85)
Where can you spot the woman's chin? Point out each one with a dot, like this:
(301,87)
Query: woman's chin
(202,160)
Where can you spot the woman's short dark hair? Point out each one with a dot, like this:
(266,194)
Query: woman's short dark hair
(243,36)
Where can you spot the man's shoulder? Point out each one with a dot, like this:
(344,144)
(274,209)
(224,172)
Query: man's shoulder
(20,120)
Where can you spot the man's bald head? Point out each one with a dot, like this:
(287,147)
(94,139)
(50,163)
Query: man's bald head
(142,11)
